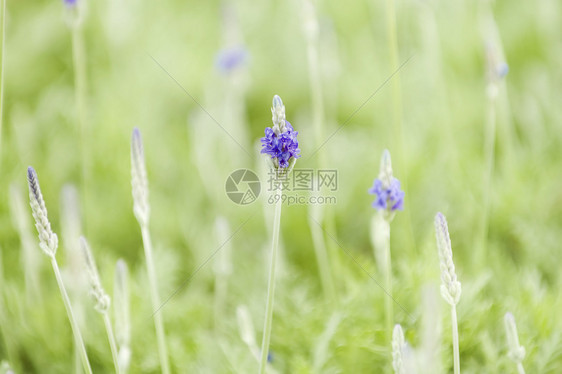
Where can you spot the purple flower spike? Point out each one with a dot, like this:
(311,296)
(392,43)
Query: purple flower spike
(281,147)
(502,69)
(388,198)
(280,141)
(231,58)
(33,183)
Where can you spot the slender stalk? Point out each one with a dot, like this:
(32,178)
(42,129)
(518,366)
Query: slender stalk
(455,328)
(6,336)
(160,334)
(122,315)
(316,95)
(397,110)
(77,359)
(323,262)
(221,292)
(516,352)
(388,304)
(490,160)
(80,81)
(222,269)
(320,248)
(73,323)
(271,283)
(396,92)
(111,338)
(2,59)
(380,239)
(79,61)
(505,126)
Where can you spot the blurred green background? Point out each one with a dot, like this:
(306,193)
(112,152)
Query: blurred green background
(153,65)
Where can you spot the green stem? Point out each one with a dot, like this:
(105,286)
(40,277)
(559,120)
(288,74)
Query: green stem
(397,112)
(323,262)
(389,307)
(456,357)
(271,283)
(79,61)
(77,359)
(490,160)
(80,81)
(73,323)
(380,238)
(5,325)
(320,249)
(2,59)
(520,368)
(396,94)
(221,292)
(160,334)
(316,95)
(111,338)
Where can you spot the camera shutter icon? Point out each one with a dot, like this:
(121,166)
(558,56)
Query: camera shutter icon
(243,186)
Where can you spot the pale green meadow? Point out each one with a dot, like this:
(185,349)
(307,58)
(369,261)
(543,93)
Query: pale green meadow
(133,114)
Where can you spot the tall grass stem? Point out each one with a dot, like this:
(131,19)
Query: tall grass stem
(155,297)
(141,210)
(490,141)
(122,314)
(222,269)
(455,328)
(80,81)
(111,338)
(271,284)
(392,35)
(323,260)
(396,91)
(2,63)
(387,272)
(310,24)
(79,62)
(389,307)
(380,239)
(74,324)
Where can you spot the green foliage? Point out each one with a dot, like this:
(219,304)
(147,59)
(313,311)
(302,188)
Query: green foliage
(444,110)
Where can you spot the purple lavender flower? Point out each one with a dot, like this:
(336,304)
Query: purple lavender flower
(280,141)
(230,58)
(496,68)
(389,197)
(502,69)
(70,3)
(34,189)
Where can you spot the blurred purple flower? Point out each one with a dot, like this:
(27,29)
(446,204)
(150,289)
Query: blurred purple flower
(388,198)
(281,147)
(502,69)
(70,3)
(229,59)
